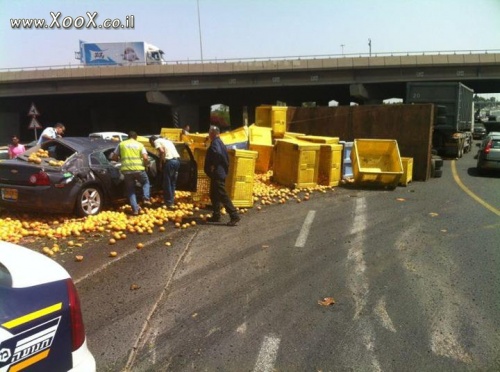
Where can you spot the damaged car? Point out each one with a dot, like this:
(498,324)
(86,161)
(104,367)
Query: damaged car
(74,175)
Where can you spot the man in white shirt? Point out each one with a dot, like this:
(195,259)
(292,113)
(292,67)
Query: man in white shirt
(169,164)
(52,132)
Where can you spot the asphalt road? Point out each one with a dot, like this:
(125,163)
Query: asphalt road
(413,273)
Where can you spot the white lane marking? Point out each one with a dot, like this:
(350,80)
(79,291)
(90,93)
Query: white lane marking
(444,342)
(242,328)
(267,354)
(304,232)
(381,311)
(152,345)
(358,283)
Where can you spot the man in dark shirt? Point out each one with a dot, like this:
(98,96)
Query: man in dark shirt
(216,168)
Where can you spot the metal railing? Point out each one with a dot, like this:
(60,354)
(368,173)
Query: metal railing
(277,58)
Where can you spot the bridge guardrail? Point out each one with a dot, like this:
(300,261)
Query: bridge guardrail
(278,59)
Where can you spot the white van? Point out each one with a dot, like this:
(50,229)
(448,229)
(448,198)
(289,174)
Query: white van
(116,136)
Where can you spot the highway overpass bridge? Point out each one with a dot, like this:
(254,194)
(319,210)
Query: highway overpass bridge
(146,98)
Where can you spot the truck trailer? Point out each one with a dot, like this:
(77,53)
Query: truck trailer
(454,114)
(119,54)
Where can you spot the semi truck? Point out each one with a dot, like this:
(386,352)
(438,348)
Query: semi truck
(454,114)
(119,54)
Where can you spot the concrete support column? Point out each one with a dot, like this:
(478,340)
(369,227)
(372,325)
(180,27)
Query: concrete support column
(197,117)
(236,116)
(251,114)
(203,118)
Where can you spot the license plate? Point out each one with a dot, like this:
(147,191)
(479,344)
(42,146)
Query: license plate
(9,194)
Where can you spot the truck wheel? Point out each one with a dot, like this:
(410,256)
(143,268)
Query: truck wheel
(438,162)
(441,120)
(441,110)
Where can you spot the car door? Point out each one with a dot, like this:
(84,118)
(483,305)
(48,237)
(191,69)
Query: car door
(108,174)
(188,171)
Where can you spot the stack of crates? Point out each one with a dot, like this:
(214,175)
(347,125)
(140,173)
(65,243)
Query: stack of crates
(261,141)
(330,162)
(239,182)
(273,117)
(240,179)
(376,162)
(330,158)
(296,163)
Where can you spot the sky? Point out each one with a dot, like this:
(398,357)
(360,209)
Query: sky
(230,29)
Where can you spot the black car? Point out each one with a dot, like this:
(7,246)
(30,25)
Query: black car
(479,131)
(75,175)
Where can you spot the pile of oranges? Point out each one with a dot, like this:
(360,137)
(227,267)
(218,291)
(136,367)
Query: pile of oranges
(52,232)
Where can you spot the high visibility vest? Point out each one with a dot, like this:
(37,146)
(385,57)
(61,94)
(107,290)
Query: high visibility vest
(131,155)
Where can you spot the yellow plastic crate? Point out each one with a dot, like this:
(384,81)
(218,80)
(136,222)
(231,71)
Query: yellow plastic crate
(273,117)
(259,135)
(319,139)
(296,164)
(407,176)
(330,164)
(376,162)
(147,145)
(196,138)
(292,135)
(237,138)
(265,157)
(239,183)
(202,194)
(173,134)
(199,154)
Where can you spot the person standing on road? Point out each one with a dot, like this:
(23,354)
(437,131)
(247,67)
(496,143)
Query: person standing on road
(134,159)
(15,148)
(216,168)
(169,164)
(51,132)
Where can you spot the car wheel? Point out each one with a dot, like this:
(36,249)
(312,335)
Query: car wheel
(438,173)
(90,201)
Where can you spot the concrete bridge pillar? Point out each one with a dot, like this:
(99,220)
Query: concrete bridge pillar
(236,116)
(251,114)
(197,117)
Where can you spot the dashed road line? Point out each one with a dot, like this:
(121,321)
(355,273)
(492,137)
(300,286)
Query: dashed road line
(267,354)
(304,231)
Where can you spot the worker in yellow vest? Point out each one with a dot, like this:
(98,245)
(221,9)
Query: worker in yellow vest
(134,160)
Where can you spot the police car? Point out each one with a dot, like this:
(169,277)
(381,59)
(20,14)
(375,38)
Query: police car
(41,325)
